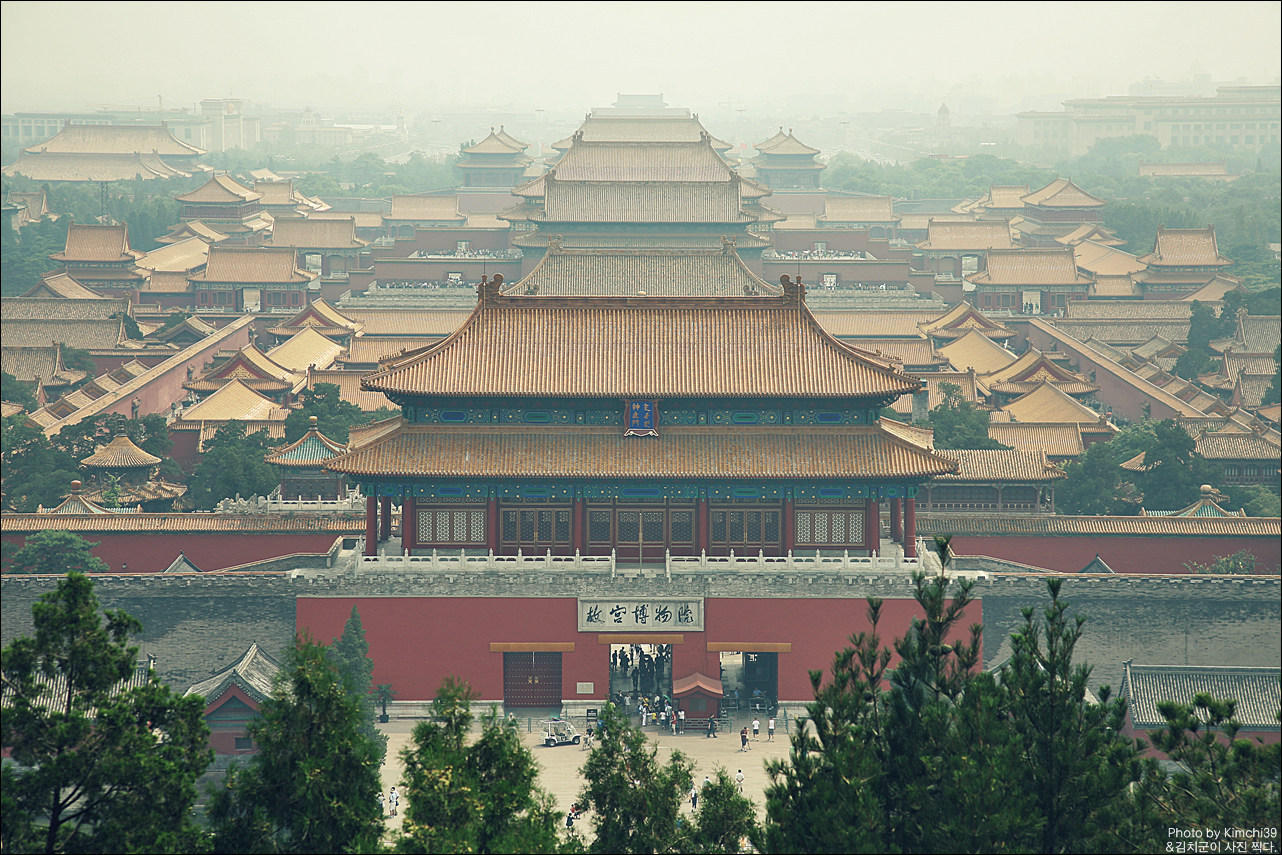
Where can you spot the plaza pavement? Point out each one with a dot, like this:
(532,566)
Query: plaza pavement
(559,767)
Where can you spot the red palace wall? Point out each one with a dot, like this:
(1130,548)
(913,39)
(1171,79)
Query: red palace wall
(417,642)
(152,553)
(1124,554)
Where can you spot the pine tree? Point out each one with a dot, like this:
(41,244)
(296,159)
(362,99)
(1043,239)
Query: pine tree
(95,769)
(350,655)
(480,796)
(314,785)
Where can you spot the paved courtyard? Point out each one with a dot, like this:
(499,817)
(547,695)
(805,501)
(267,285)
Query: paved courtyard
(559,767)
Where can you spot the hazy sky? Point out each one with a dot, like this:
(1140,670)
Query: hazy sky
(572,56)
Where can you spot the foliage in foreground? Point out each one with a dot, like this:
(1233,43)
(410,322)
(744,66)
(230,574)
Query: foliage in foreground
(910,759)
(349,654)
(95,769)
(472,795)
(314,785)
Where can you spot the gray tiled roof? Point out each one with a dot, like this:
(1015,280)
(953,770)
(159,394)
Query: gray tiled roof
(1256,690)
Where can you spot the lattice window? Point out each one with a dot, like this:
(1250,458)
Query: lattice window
(599,526)
(682,526)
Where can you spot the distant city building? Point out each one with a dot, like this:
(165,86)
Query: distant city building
(1238,116)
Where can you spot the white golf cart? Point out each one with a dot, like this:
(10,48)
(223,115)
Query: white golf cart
(558,732)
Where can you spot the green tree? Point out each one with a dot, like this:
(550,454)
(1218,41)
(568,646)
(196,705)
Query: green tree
(52,552)
(1240,563)
(34,472)
(350,655)
(959,423)
(1226,780)
(1256,499)
(97,769)
(1078,768)
(314,785)
(334,416)
(1204,326)
(232,464)
(635,800)
(477,796)
(1174,471)
(724,819)
(76,359)
(16,392)
(1273,394)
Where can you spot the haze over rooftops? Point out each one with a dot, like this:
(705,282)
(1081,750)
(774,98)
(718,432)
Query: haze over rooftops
(116,139)
(1185,248)
(96,244)
(220,188)
(652,273)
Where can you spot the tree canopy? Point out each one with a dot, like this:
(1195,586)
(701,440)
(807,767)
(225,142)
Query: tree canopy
(96,768)
(233,465)
(350,655)
(314,785)
(959,423)
(52,552)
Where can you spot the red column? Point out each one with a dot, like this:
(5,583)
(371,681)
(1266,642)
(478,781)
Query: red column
(492,526)
(910,528)
(577,521)
(409,524)
(371,526)
(896,520)
(702,545)
(385,518)
(872,526)
(789,523)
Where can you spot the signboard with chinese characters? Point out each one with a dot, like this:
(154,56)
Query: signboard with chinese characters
(654,614)
(640,418)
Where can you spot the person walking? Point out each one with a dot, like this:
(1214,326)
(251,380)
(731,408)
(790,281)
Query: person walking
(743,740)
(681,721)
(393,799)
(756,729)
(712,729)
(770,730)
(694,797)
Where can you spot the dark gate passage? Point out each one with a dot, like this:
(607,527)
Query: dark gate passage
(532,679)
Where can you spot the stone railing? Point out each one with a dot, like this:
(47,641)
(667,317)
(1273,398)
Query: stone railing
(461,561)
(275,504)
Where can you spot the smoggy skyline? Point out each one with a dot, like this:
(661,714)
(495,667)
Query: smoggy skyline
(424,57)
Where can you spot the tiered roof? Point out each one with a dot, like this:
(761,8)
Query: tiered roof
(1185,248)
(192,229)
(646,272)
(305,349)
(251,265)
(321,317)
(281,194)
(60,286)
(309,233)
(1005,464)
(1256,691)
(1030,370)
(117,139)
(1205,506)
(633,161)
(961,319)
(1063,193)
(77,504)
(97,168)
(220,189)
(641,202)
(254,674)
(310,451)
(1030,267)
(499,142)
(974,351)
(443,209)
(618,347)
(97,245)
(782,143)
(250,366)
(1090,232)
(1046,403)
(858,209)
(866,451)
(1056,439)
(120,453)
(598,128)
(948,235)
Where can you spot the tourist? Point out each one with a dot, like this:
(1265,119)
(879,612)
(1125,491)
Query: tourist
(712,729)
(738,780)
(681,721)
(393,799)
(694,797)
(743,740)
(770,730)
(756,729)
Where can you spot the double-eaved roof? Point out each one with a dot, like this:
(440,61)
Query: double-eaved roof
(607,347)
(642,272)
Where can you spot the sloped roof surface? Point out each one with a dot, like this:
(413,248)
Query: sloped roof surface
(316,233)
(1256,691)
(306,348)
(656,273)
(96,244)
(220,189)
(255,672)
(1063,193)
(1185,247)
(116,139)
(252,266)
(120,453)
(974,234)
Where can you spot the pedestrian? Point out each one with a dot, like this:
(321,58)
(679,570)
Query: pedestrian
(569,819)
(770,730)
(382,807)
(743,740)
(694,797)
(645,714)
(393,799)
(756,730)
(712,729)
(738,780)
(681,721)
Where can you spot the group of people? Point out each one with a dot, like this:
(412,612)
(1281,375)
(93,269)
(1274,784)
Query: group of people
(643,666)
(665,716)
(756,733)
(392,801)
